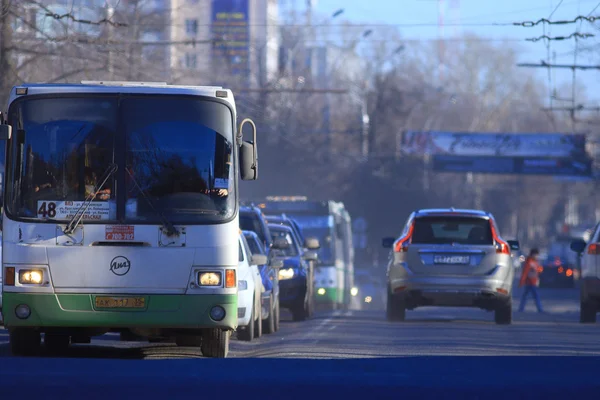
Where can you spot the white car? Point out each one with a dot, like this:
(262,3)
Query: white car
(250,289)
(590,276)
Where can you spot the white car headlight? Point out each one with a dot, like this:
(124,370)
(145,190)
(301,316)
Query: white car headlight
(354,291)
(287,273)
(242,285)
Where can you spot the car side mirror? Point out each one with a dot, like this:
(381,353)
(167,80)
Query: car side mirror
(514,245)
(578,246)
(5,132)
(312,243)
(259,259)
(248,153)
(388,242)
(280,244)
(310,256)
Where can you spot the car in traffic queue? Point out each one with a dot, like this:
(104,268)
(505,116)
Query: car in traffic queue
(290,222)
(369,290)
(296,275)
(250,289)
(252,219)
(450,257)
(557,272)
(589,295)
(269,273)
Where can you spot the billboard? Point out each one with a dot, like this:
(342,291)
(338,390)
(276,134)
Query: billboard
(494,144)
(230,32)
(502,153)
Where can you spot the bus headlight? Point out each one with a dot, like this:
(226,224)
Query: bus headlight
(31,277)
(354,291)
(321,292)
(287,273)
(209,278)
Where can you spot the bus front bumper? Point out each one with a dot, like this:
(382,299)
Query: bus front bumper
(158,311)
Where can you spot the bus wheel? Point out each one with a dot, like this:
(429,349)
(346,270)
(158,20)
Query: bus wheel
(215,343)
(188,340)
(25,342)
(56,342)
(269,323)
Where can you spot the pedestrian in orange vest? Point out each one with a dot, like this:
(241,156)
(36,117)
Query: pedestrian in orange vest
(530,279)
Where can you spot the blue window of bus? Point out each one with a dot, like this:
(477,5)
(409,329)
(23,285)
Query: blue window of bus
(179,154)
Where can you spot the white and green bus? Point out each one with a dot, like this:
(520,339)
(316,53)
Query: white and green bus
(330,222)
(121,213)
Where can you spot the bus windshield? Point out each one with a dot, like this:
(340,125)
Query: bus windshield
(173,155)
(319,226)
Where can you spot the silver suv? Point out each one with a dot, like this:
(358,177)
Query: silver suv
(448,257)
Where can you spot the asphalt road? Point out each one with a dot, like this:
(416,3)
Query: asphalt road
(345,348)
(429,331)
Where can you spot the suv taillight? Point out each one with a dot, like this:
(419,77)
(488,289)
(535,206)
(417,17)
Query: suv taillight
(501,246)
(594,249)
(401,244)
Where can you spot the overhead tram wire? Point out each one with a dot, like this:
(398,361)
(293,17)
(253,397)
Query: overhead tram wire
(556,8)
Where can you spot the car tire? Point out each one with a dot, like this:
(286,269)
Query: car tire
(24,342)
(269,323)
(215,343)
(56,343)
(587,312)
(395,309)
(277,315)
(247,334)
(503,313)
(299,312)
(258,324)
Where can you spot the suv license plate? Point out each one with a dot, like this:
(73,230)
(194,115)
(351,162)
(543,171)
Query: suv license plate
(451,259)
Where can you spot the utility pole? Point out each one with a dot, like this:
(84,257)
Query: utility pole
(110,12)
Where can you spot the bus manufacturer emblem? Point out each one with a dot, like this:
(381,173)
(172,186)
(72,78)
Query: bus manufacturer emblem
(120,265)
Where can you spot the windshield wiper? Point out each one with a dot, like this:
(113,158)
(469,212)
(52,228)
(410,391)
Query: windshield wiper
(167,225)
(78,217)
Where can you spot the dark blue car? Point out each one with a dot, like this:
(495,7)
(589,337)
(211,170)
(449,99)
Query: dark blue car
(296,275)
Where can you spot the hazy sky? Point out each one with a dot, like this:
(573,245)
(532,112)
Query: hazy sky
(463,16)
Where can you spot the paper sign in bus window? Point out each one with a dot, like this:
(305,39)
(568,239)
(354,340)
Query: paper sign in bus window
(97,210)
(221,183)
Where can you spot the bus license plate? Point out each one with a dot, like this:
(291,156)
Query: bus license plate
(120,302)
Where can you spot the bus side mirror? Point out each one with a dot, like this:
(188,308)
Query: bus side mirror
(5,132)
(248,167)
(248,153)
